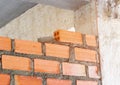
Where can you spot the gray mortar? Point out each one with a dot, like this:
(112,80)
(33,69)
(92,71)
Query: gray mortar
(83,40)
(44,76)
(12,45)
(71,54)
(12,82)
(43,49)
(87,72)
(32,66)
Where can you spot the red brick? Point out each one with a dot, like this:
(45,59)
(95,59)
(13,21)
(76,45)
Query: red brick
(91,40)
(51,81)
(80,82)
(46,66)
(93,72)
(67,36)
(27,80)
(57,50)
(4,79)
(73,69)
(85,55)
(15,63)
(28,47)
(5,43)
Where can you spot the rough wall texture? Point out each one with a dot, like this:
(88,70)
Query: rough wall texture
(40,21)
(109,39)
(85,19)
(109,8)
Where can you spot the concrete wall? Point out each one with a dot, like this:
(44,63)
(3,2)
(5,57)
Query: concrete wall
(109,38)
(40,21)
(85,19)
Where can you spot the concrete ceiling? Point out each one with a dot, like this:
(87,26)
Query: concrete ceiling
(10,9)
(66,4)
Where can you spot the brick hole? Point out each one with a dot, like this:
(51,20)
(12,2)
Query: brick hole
(55,34)
(58,38)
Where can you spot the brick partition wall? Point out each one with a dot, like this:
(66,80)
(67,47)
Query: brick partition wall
(50,63)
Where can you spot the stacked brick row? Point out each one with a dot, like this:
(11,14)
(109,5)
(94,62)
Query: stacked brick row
(70,60)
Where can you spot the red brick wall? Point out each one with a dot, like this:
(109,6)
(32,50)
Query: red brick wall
(61,62)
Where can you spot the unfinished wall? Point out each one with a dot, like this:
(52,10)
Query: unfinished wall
(85,19)
(40,21)
(108,30)
(50,63)
(109,38)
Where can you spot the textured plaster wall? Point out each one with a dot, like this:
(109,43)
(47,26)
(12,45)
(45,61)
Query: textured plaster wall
(108,25)
(85,19)
(40,21)
(109,39)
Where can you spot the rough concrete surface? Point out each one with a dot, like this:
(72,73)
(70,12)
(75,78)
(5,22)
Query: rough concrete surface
(85,19)
(109,39)
(40,21)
